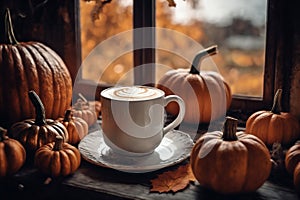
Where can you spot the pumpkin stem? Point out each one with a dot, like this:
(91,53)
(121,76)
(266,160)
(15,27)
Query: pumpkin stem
(230,127)
(276,108)
(9,31)
(79,104)
(58,145)
(200,56)
(82,97)
(40,118)
(68,115)
(3,135)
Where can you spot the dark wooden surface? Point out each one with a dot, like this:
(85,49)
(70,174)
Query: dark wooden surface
(95,182)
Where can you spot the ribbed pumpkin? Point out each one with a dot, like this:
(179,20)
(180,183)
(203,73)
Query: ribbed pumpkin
(57,158)
(28,66)
(292,163)
(230,162)
(33,133)
(292,157)
(12,154)
(77,127)
(275,125)
(92,105)
(205,93)
(82,110)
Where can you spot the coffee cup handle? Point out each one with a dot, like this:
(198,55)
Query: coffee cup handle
(179,117)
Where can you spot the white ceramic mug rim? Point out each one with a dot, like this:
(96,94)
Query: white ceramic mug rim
(162,94)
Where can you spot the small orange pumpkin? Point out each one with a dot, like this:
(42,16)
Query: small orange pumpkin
(92,105)
(77,127)
(292,157)
(206,95)
(12,154)
(292,163)
(275,125)
(33,133)
(80,109)
(57,158)
(230,162)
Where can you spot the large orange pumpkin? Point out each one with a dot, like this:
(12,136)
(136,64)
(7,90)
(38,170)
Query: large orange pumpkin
(275,125)
(206,95)
(230,162)
(28,66)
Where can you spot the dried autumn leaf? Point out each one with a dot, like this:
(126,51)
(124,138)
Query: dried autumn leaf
(174,180)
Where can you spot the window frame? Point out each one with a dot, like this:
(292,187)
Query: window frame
(276,74)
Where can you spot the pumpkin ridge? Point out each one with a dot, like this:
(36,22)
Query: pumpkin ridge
(55,84)
(61,130)
(216,91)
(46,158)
(255,144)
(282,136)
(65,73)
(235,151)
(55,94)
(74,155)
(27,81)
(45,84)
(3,161)
(56,166)
(13,152)
(258,124)
(58,73)
(65,163)
(10,92)
(31,69)
(19,78)
(205,107)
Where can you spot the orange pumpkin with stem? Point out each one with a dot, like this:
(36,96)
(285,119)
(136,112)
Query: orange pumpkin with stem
(28,66)
(33,133)
(275,125)
(77,127)
(205,93)
(57,158)
(230,162)
(92,105)
(80,109)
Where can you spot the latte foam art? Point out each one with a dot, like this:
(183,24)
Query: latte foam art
(133,93)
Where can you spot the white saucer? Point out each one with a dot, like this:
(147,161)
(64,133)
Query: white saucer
(175,147)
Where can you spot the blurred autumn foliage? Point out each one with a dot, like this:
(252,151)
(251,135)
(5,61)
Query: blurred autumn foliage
(241,68)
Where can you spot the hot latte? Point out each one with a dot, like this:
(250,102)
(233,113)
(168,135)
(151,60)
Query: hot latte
(132,93)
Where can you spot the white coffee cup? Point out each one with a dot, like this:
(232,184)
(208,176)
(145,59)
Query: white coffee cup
(133,118)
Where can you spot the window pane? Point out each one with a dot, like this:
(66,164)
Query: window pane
(106,44)
(238,28)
